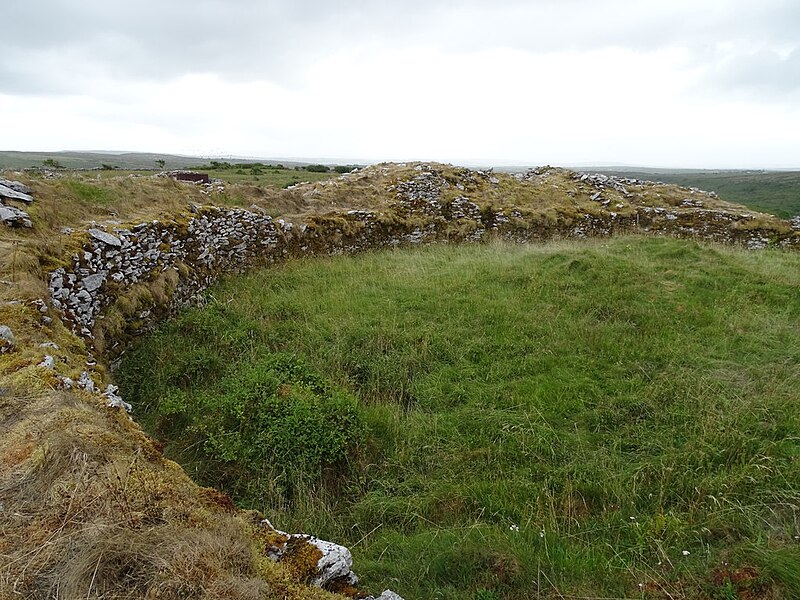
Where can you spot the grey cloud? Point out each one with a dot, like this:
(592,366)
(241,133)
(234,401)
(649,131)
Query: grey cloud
(760,72)
(58,46)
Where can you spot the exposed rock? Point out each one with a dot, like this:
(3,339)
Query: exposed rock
(105,237)
(114,400)
(14,217)
(16,186)
(7,341)
(386,595)
(334,567)
(13,191)
(336,563)
(49,362)
(85,382)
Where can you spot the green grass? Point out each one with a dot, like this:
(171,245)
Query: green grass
(555,421)
(88,192)
(275,178)
(773,192)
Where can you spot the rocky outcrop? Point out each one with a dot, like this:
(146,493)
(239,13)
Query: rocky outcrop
(14,190)
(11,215)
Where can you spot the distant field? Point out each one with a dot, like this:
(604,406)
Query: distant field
(774,192)
(131,161)
(598,419)
(274,178)
(269,176)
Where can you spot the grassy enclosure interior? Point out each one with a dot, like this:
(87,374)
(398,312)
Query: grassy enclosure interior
(611,418)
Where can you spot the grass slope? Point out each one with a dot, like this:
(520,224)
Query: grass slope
(598,419)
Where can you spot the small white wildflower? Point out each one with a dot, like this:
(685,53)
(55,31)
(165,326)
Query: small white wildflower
(659,563)
(514,528)
(632,518)
(541,533)
(685,552)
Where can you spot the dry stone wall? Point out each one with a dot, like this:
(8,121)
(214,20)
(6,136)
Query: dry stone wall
(192,250)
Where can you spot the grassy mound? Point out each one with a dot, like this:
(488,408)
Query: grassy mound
(595,419)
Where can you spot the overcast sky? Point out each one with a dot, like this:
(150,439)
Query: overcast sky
(672,83)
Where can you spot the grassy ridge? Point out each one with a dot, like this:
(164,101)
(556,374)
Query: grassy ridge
(614,419)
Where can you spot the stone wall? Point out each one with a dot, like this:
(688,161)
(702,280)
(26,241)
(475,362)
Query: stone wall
(192,250)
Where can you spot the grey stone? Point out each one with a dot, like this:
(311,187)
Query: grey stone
(48,362)
(114,400)
(16,186)
(386,595)
(389,595)
(93,282)
(105,237)
(12,194)
(7,341)
(14,217)
(336,563)
(85,382)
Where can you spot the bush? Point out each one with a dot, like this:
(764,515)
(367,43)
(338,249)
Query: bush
(278,412)
(262,430)
(317,168)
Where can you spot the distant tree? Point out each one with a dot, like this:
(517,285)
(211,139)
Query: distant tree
(106,167)
(160,163)
(317,168)
(343,168)
(52,163)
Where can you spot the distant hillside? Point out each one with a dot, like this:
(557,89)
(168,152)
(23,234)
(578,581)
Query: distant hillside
(119,160)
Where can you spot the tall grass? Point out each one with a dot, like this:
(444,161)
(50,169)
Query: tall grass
(601,419)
